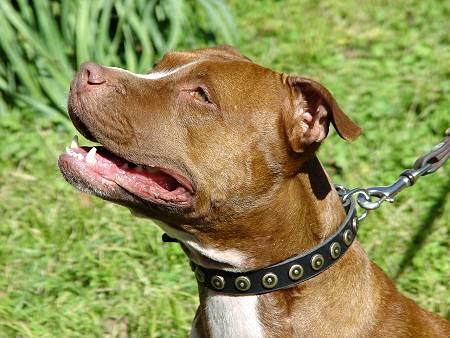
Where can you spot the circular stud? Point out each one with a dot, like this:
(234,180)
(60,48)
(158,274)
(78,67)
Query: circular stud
(242,283)
(269,280)
(335,250)
(218,282)
(200,275)
(296,272)
(317,261)
(348,237)
(355,225)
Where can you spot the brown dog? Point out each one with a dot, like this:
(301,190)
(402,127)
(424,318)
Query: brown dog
(223,152)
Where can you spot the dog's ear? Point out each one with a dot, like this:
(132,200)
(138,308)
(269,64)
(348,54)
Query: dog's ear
(311,110)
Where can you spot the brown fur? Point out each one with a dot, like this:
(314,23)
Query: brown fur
(259,187)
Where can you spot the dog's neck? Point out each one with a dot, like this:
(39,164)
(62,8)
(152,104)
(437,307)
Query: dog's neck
(307,210)
(302,212)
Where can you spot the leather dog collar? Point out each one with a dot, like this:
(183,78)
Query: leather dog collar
(286,273)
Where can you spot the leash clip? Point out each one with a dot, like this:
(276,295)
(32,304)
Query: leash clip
(371,198)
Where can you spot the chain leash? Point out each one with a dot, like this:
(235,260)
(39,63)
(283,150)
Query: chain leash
(371,198)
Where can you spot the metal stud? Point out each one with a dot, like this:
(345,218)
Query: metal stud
(348,237)
(218,282)
(242,283)
(317,261)
(200,275)
(335,250)
(269,280)
(355,224)
(296,272)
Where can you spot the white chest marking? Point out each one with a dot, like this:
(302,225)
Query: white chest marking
(229,256)
(232,316)
(156,75)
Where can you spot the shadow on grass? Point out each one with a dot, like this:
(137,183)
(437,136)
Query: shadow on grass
(425,229)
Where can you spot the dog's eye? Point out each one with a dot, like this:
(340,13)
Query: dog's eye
(200,94)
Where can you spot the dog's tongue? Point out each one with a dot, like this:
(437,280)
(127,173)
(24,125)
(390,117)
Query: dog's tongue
(110,166)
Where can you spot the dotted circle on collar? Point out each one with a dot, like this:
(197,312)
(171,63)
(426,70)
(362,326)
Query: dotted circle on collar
(218,282)
(242,283)
(296,272)
(335,250)
(269,280)
(317,261)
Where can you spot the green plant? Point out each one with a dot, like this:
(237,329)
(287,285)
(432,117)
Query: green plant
(43,43)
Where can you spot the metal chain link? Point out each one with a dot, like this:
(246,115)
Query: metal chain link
(371,198)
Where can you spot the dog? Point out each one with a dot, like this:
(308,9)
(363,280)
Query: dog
(221,151)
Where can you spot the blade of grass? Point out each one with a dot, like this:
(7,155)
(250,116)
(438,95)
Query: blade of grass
(225,12)
(51,34)
(9,44)
(137,26)
(130,56)
(67,21)
(102,39)
(82,33)
(35,43)
(174,12)
(216,21)
(45,109)
(26,11)
(117,38)
(3,84)
(56,93)
(152,27)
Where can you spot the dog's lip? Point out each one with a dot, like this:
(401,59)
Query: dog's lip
(182,179)
(139,180)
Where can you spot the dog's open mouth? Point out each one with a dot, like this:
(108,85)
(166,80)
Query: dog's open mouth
(150,183)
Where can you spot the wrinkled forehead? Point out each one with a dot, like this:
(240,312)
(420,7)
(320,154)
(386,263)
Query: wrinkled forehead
(220,67)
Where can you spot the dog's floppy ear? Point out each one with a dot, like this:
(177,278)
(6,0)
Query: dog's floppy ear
(311,110)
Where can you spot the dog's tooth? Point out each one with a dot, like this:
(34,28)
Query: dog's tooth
(139,168)
(74,144)
(68,150)
(90,157)
(124,166)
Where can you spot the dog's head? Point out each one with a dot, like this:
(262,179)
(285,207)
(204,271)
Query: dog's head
(205,135)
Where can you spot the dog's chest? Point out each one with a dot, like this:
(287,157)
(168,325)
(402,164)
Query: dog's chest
(231,316)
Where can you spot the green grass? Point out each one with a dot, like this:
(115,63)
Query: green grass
(75,266)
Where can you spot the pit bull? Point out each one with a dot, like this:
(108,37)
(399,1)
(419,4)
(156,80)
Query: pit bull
(221,151)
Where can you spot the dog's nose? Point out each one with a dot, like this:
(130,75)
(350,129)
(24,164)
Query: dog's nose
(92,73)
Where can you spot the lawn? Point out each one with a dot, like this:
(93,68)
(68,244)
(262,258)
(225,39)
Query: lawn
(76,266)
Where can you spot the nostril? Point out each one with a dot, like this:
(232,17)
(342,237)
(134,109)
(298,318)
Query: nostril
(95,77)
(94,73)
